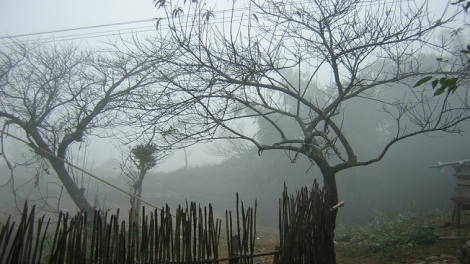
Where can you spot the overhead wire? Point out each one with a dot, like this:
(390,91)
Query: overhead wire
(108,32)
(79,28)
(239,13)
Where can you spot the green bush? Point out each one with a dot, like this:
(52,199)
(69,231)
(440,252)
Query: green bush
(383,234)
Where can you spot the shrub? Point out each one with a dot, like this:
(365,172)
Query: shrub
(383,234)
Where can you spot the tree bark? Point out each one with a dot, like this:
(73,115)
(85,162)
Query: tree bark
(58,164)
(138,203)
(77,195)
(137,191)
(331,199)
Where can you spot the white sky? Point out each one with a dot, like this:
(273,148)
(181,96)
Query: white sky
(26,16)
(19,17)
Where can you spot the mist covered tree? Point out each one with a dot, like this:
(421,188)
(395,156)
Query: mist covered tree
(233,67)
(56,96)
(142,158)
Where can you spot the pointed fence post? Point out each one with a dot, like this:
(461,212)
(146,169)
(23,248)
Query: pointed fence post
(235,250)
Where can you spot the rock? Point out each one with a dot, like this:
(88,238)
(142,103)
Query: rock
(431,259)
(442,259)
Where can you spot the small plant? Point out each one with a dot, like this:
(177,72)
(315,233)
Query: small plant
(406,230)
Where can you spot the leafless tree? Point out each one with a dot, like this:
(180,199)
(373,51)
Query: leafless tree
(234,67)
(142,158)
(56,96)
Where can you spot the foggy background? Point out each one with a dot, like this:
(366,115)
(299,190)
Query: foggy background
(402,180)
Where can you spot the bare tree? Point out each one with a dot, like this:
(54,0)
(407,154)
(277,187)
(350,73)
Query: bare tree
(142,158)
(55,96)
(234,67)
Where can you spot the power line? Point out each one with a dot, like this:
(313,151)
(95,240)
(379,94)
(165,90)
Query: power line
(238,14)
(107,25)
(79,28)
(107,33)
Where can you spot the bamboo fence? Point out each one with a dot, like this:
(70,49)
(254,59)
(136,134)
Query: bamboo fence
(302,226)
(190,235)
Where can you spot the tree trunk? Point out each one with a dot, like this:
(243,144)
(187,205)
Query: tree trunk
(77,195)
(138,203)
(58,164)
(137,191)
(331,199)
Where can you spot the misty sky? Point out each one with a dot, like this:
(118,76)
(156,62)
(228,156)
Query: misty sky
(19,18)
(26,17)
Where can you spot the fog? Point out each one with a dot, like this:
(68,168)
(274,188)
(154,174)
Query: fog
(401,181)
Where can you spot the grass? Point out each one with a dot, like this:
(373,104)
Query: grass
(384,235)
